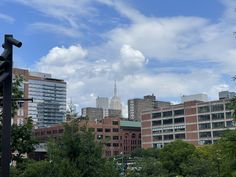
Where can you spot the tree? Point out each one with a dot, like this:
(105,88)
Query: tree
(78,151)
(227,153)
(174,154)
(22,141)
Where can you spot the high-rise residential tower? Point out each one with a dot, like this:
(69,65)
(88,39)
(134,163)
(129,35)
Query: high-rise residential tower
(49,98)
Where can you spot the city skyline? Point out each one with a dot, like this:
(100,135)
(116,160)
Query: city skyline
(166,48)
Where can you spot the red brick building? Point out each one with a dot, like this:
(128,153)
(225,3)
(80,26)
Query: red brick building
(196,122)
(116,134)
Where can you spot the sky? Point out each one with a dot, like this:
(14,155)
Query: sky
(168,48)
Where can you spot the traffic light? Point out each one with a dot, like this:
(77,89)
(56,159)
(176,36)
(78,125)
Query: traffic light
(6,64)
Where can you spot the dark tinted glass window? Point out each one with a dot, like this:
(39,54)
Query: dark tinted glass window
(179,112)
(156,115)
(167,121)
(203,109)
(179,120)
(167,114)
(156,122)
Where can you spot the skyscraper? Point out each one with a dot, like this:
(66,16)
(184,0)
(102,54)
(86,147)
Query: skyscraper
(49,98)
(102,102)
(115,100)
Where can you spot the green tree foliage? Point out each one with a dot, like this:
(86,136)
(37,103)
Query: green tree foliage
(76,154)
(22,141)
(227,153)
(173,155)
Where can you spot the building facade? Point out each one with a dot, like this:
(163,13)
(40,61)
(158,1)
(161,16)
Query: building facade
(102,102)
(99,113)
(196,122)
(49,98)
(137,105)
(117,135)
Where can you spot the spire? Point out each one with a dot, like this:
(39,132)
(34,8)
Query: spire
(115,89)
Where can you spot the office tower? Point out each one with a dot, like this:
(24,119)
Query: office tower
(102,102)
(137,105)
(49,98)
(115,100)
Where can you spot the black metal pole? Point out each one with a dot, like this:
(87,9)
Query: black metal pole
(6,124)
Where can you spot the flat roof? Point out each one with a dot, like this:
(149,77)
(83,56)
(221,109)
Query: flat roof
(126,123)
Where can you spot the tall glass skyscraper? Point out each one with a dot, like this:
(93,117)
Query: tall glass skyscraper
(49,98)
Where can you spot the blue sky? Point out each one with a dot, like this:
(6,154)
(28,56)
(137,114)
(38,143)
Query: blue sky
(166,47)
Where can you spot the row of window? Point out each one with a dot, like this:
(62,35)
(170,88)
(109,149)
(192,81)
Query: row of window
(216,125)
(107,130)
(167,121)
(215,134)
(168,129)
(213,108)
(215,116)
(168,113)
(168,137)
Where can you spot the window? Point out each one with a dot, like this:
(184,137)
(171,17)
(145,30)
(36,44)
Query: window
(230,123)
(133,136)
(203,109)
(179,120)
(107,130)
(205,142)
(115,123)
(217,107)
(115,144)
(167,130)
(204,126)
(156,115)
(229,115)
(179,128)
(217,116)
(179,112)
(99,130)
(218,125)
(157,145)
(180,136)
(167,121)
(108,144)
(157,138)
(156,130)
(115,137)
(156,122)
(115,130)
(205,134)
(167,114)
(168,137)
(205,117)
(217,133)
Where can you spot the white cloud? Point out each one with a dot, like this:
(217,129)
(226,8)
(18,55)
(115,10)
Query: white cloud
(127,48)
(7,18)
(58,29)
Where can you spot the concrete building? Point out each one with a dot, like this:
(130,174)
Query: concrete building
(137,105)
(195,122)
(226,95)
(102,102)
(49,98)
(195,97)
(99,113)
(92,113)
(117,135)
